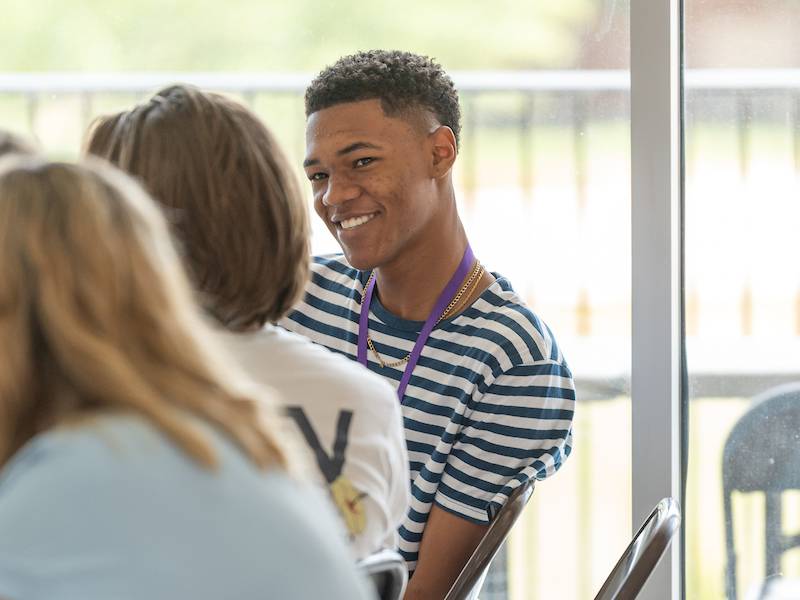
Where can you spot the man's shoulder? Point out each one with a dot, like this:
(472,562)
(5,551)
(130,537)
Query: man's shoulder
(334,281)
(334,267)
(502,313)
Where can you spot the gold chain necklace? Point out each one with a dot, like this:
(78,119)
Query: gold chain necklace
(471,283)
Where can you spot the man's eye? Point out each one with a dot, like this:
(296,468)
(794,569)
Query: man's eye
(317,176)
(363,162)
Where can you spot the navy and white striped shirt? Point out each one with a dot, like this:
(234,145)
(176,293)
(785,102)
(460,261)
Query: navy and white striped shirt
(489,405)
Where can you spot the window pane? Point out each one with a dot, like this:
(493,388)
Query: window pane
(742,290)
(543,181)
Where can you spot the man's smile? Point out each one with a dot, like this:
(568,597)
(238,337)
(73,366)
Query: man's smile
(353,222)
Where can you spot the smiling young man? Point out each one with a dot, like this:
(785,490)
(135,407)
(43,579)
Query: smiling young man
(487,396)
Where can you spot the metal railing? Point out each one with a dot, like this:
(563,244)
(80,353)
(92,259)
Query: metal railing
(523,116)
(538,140)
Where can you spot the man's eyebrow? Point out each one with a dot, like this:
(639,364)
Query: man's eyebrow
(357,146)
(310,162)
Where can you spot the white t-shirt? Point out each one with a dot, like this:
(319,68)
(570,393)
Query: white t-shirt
(351,422)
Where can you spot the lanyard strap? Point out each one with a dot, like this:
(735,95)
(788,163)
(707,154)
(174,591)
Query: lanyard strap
(441,304)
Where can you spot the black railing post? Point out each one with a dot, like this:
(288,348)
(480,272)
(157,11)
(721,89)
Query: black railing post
(86,109)
(744,116)
(31,112)
(468,138)
(579,122)
(796,133)
(527,127)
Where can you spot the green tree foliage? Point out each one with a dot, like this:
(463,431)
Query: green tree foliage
(287,35)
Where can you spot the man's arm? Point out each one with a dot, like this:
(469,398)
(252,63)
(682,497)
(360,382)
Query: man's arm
(446,546)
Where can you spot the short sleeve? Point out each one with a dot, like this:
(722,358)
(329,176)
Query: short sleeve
(519,429)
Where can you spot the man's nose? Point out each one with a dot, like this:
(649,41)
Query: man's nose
(339,189)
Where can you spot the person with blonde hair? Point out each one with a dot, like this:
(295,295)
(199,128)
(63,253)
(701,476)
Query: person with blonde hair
(136,462)
(241,221)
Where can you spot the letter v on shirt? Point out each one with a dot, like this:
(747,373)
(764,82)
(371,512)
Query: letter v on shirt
(350,421)
(347,498)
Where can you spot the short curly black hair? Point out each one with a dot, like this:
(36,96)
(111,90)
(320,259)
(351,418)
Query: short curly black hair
(400,80)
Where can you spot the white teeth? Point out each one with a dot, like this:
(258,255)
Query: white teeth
(356,221)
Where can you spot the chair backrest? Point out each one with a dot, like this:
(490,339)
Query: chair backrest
(633,569)
(471,576)
(388,572)
(762,454)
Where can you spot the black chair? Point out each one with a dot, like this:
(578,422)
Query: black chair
(762,454)
(468,583)
(640,558)
(388,572)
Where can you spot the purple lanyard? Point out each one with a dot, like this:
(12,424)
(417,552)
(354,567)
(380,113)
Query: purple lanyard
(441,304)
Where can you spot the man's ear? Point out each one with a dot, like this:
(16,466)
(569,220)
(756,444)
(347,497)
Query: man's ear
(443,150)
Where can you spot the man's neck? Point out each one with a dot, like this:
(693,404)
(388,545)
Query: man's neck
(409,286)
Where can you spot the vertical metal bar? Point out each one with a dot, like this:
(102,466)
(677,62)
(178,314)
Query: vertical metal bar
(744,116)
(692,312)
(747,309)
(730,547)
(797,313)
(692,500)
(773,530)
(694,100)
(656,173)
(495,586)
(583,313)
(299,140)
(579,134)
(796,131)
(32,110)
(524,554)
(469,135)
(585,504)
(86,109)
(526,145)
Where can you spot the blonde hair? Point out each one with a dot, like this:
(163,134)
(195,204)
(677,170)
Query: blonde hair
(96,315)
(228,192)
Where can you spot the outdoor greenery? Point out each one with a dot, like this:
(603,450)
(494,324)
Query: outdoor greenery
(276,35)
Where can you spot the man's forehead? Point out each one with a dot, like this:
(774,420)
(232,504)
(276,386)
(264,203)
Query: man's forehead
(364,119)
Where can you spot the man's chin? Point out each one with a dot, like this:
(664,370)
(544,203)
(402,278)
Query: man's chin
(360,260)
(360,263)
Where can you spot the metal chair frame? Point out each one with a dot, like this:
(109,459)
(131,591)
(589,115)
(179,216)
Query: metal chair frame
(640,558)
(388,572)
(762,454)
(471,576)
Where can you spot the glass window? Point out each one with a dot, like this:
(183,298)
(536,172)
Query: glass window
(543,180)
(742,291)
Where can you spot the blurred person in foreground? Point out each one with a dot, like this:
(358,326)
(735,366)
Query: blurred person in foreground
(487,395)
(242,224)
(11,143)
(136,463)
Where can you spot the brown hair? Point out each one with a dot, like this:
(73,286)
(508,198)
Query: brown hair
(228,192)
(97,315)
(10,143)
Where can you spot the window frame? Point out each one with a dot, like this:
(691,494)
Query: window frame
(656,255)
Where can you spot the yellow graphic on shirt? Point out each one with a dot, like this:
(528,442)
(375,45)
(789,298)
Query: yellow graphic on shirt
(349,502)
